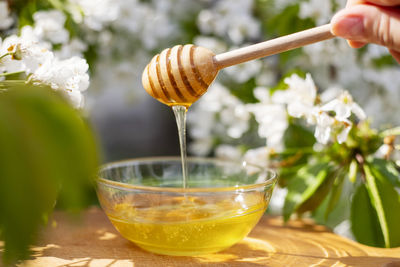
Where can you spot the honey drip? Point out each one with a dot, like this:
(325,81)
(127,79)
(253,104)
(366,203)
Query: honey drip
(180,116)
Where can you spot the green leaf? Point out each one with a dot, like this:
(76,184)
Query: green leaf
(288,173)
(283,23)
(364,220)
(45,147)
(393,131)
(335,193)
(25,10)
(243,91)
(384,61)
(302,187)
(320,194)
(385,168)
(386,201)
(288,21)
(364,138)
(353,171)
(297,136)
(341,210)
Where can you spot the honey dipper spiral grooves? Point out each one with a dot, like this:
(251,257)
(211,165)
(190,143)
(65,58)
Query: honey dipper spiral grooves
(180,75)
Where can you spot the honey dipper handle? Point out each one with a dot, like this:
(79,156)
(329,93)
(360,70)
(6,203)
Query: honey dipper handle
(274,46)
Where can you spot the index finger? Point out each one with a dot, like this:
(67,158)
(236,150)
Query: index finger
(384,2)
(354,2)
(375,2)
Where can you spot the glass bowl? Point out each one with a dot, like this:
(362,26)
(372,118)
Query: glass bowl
(145,201)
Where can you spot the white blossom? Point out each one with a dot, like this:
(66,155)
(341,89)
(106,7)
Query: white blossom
(333,62)
(316,9)
(330,94)
(5,19)
(233,115)
(201,146)
(258,156)
(151,25)
(74,47)
(232,120)
(243,72)
(28,53)
(95,14)
(49,26)
(228,152)
(343,106)
(323,128)
(387,78)
(202,123)
(271,118)
(346,127)
(214,44)
(282,4)
(230,18)
(67,76)
(181,9)
(382,151)
(299,97)
(389,150)
(277,200)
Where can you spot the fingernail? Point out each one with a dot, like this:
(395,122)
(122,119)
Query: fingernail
(348,27)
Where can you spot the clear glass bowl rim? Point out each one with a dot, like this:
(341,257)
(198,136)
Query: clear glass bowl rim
(271,176)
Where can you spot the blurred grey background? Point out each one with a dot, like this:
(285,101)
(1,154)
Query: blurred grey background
(141,129)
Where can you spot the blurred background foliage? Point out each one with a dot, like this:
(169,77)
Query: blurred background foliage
(48,154)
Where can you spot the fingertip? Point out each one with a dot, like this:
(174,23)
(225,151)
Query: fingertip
(347,25)
(356,44)
(336,19)
(366,23)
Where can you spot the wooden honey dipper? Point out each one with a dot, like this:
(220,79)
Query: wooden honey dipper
(181,74)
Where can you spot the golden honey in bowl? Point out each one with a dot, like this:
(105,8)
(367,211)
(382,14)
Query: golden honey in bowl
(188,227)
(146,202)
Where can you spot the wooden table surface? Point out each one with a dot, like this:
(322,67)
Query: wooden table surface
(93,241)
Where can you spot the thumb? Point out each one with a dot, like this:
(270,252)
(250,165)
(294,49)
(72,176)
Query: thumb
(369,24)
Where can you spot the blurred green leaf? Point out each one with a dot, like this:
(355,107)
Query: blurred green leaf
(353,168)
(26,9)
(297,136)
(364,221)
(287,22)
(315,199)
(384,61)
(364,139)
(284,23)
(335,192)
(298,148)
(46,146)
(385,169)
(243,91)
(386,201)
(340,210)
(392,131)
(302,188)
(288,173)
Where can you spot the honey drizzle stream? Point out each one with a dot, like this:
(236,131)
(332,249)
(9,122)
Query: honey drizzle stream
(180,116)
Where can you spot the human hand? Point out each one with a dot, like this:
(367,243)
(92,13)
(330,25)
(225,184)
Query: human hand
(370,21)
